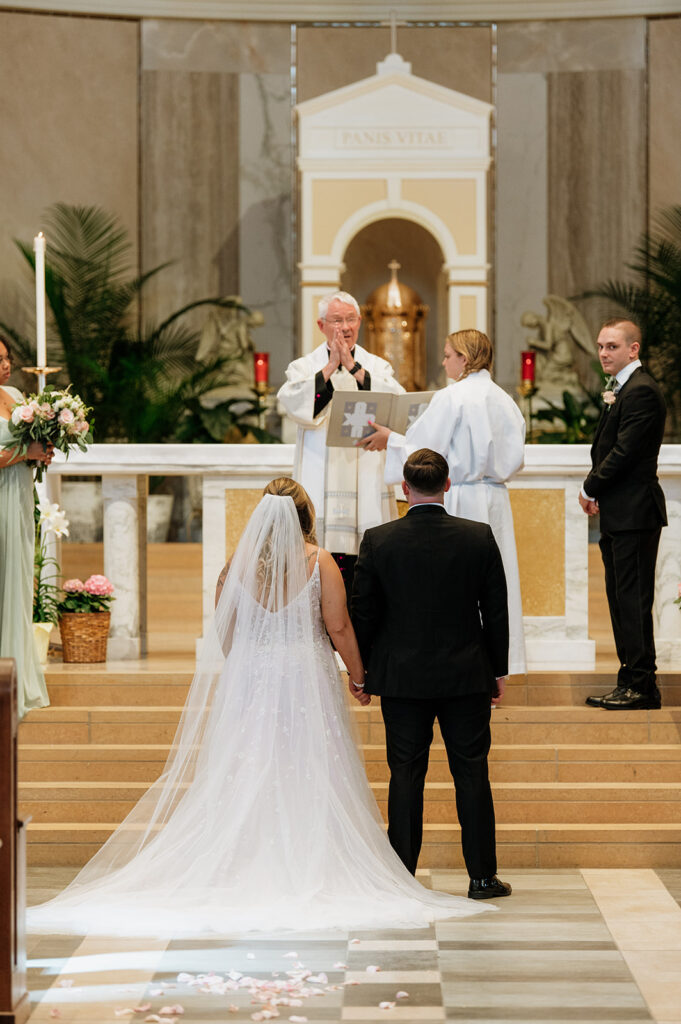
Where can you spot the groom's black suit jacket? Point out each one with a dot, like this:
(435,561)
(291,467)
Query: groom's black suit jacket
(624,458)
(429,606)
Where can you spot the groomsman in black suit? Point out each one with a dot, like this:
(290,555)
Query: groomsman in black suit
(430,612)
(624,488)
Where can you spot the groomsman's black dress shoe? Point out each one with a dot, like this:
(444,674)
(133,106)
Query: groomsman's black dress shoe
(597,702)
(487,888)
(630,700)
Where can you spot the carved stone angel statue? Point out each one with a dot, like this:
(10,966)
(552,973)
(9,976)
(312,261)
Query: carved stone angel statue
(564,346)
(227,333)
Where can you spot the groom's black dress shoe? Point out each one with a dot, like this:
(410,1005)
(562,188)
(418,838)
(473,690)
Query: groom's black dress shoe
(630,700)
(597,702)
(487,888)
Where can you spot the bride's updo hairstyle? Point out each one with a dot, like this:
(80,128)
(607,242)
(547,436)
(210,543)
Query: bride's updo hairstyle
(476,347)
(287,488)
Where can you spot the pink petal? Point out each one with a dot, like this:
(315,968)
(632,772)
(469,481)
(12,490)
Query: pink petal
(373,969)
(402,995)
(170,1011)
(290,956)
(183,977)
(354,942)
(142,1008)
(233,1008)
(386,1006)
(298,1020)
(338,966)
(127,1012)
(54,1012)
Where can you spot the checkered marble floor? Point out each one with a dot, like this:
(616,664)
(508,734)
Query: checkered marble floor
(600,947)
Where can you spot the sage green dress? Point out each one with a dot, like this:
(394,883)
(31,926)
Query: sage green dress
(17,539)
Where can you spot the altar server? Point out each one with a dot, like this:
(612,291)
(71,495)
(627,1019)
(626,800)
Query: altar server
(345,484)
(480,431)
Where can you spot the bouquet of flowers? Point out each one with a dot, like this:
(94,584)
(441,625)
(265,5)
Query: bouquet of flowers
(95,595)
(52,417)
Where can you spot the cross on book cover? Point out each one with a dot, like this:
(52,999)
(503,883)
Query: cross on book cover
(353,411)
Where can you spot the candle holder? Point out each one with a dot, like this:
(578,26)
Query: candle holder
(262,390)
(41,372)
(527,389)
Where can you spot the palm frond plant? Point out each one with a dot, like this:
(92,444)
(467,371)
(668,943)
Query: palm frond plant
(577,419)
(137,378)
(653,301)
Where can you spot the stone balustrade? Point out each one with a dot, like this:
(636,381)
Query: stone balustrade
(551,534)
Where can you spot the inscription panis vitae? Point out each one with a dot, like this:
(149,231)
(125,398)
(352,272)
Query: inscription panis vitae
(393,137)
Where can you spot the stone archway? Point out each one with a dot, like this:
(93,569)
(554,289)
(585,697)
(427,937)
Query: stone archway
(422,268)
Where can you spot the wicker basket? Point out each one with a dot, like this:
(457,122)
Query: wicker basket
(84,634)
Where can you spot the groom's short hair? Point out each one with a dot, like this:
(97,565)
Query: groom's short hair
(426,471)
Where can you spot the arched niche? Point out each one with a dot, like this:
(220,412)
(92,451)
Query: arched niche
(394,146)
(366,261)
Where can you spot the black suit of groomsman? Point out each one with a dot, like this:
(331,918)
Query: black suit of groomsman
(624,488)
(430,612)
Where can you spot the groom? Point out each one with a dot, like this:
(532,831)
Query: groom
(430,612)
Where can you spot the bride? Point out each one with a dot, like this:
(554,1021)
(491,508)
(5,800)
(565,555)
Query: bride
(262,818)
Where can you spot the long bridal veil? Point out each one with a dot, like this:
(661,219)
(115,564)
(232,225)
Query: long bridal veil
(262,817)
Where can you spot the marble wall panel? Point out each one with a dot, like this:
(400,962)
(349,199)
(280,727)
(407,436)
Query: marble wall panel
(68,130)
(190,191)
(456,57)
(597,44)
(217,169)
(597,178)
(664,112)
(266,257)
(238,46)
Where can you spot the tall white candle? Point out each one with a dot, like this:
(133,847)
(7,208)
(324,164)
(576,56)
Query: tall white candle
(41,337)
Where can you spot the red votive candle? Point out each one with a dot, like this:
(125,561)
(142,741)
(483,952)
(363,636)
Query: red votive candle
(262,367)
(527,361)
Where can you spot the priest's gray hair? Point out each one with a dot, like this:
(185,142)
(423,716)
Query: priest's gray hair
(324,303)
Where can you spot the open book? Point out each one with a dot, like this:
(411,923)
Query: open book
(351,412)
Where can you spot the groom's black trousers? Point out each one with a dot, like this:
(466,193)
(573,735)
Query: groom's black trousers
(464,724)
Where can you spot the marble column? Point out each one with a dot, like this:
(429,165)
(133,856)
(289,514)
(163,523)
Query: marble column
(122,564)
(667,615)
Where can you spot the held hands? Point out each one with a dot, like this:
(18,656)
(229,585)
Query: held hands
(377,441)
(501,690)
(358,693)
(590,507)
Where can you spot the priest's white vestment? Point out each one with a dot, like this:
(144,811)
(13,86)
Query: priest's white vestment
(346,485)
(480,431)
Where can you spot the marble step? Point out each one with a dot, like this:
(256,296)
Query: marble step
(510,725)
(514,802)
(542,845)
(90,762)
(83,686)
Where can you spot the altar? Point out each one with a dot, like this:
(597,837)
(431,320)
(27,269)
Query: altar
(551,535)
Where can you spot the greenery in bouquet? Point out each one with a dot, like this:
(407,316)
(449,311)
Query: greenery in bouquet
(49,519)
(94,595)
(52,417)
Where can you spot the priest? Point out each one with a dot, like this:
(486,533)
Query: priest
(345,484)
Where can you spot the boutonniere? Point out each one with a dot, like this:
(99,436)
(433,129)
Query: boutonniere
(609,398)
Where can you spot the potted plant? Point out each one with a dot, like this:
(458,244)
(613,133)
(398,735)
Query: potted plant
(49,519)
(84,618)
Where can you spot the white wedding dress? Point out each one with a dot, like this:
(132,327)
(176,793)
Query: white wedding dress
(263,818)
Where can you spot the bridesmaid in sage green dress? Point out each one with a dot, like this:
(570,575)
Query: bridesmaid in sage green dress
(17,539)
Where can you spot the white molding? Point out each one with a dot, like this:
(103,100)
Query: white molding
(354,10)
